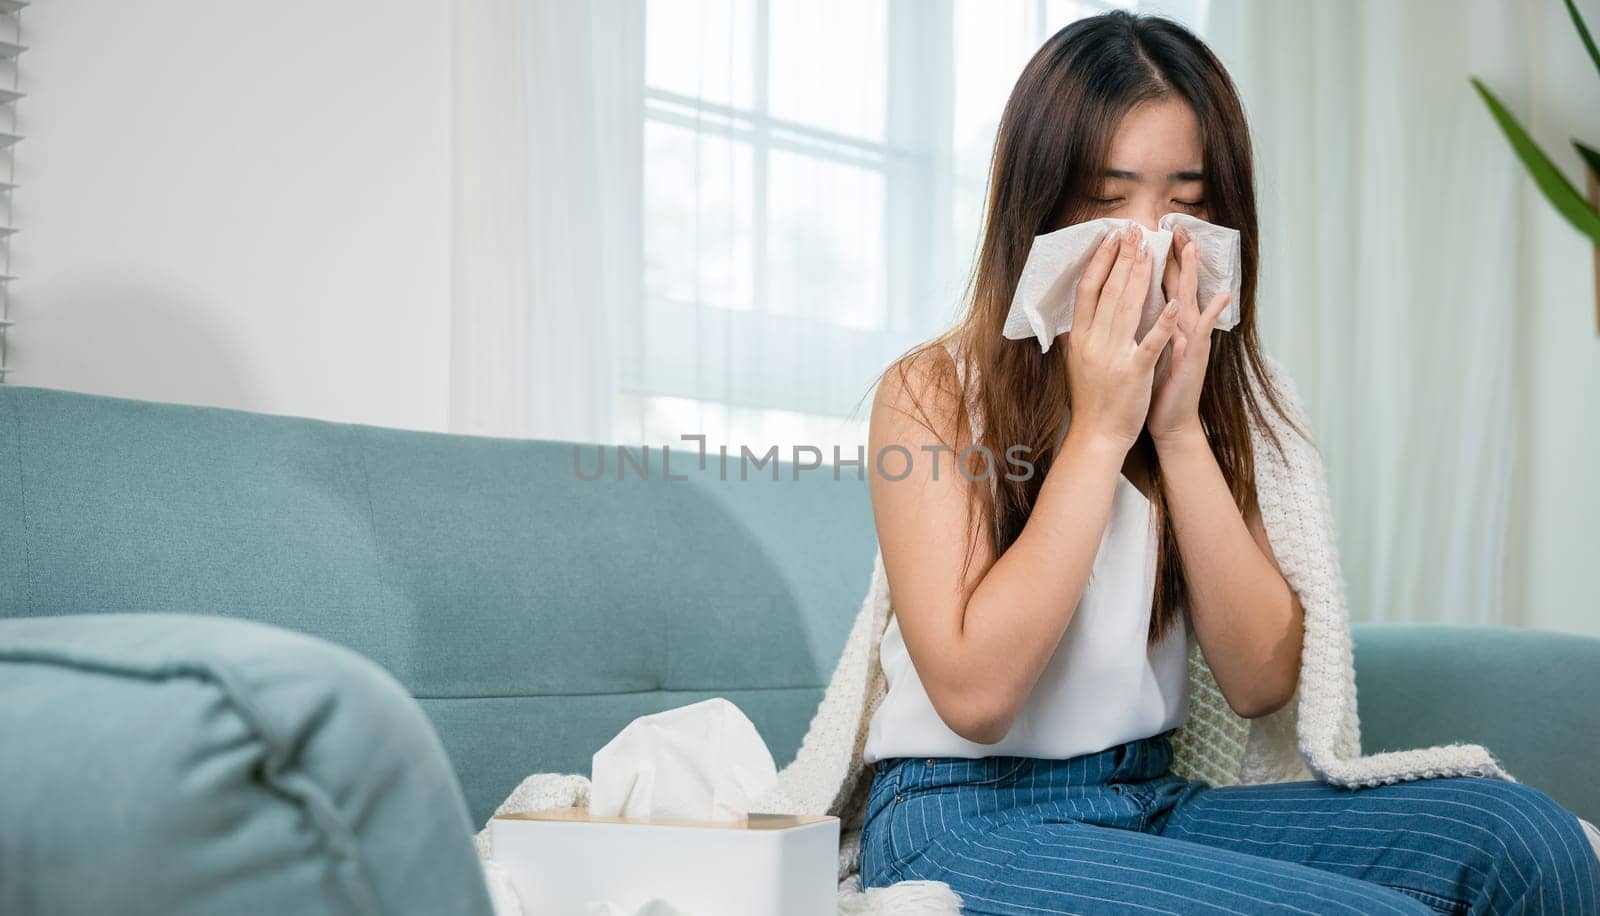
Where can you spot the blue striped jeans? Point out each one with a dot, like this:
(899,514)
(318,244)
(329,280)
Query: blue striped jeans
(1116,831)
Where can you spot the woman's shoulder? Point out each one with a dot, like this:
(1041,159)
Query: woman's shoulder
(1276,387)
(926,381)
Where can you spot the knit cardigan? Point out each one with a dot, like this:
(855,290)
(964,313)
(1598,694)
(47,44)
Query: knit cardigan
(1314,736)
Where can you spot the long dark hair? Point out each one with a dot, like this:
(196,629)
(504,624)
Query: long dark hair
(1053,140)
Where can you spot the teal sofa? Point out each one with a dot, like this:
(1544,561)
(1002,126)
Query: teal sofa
(253,663)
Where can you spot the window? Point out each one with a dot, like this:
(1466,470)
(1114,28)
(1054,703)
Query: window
(814,184)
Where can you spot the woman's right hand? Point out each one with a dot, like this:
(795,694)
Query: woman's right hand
(1109,374)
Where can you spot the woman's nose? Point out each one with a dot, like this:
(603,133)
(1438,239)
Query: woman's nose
(1148,220)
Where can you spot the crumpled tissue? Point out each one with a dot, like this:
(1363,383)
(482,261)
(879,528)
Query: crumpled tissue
(703,761)
(1043,303)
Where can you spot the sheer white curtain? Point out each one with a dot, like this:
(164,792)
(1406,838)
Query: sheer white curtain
(545,244)
(1392,283)
(724,217)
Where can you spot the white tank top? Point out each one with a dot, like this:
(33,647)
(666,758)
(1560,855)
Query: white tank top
(1101,687)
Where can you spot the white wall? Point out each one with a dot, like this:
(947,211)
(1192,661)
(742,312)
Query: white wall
(238,204)
(1561,550)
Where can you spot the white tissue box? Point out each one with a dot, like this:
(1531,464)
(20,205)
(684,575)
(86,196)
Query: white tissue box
(564,861)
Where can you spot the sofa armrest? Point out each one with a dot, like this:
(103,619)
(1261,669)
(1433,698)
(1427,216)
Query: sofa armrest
(1531,696)
(168,763)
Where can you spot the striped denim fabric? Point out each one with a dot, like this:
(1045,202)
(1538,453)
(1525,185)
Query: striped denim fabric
(1116,831)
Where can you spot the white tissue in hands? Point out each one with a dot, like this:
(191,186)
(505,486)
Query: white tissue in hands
(1043,304)
(704,761)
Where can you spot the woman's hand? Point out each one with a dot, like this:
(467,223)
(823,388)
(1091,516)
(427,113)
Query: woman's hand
(1109,374)
(1175,405)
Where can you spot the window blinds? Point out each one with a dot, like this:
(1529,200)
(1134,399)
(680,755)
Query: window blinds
(11,49)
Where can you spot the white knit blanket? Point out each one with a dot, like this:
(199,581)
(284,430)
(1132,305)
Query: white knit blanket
(1316,735)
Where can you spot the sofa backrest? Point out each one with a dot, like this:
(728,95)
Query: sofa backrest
(532,612)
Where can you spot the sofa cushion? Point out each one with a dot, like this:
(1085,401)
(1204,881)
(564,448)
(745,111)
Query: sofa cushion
(1529,695)
(247,762)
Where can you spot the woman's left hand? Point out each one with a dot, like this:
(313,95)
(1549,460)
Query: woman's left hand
(1181,370)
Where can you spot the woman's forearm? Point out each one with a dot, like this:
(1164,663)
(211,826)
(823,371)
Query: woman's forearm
(1243,611)
(1017,615)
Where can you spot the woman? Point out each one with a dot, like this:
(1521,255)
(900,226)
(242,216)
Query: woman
(1046,596)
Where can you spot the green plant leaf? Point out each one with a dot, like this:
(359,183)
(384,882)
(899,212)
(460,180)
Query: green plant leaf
(1583,34)
(1566,199)
(1589,154)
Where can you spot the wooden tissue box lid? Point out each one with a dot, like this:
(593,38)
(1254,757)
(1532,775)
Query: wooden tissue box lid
(753,821)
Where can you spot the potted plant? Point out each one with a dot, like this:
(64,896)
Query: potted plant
(1583,212)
